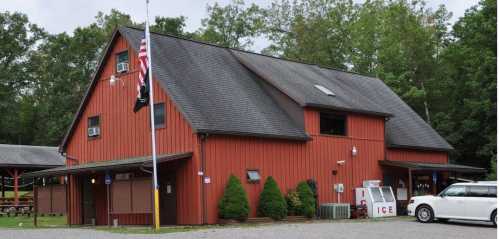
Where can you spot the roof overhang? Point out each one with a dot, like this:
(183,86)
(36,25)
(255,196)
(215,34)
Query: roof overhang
(398,146)
(108,165)
(432,166)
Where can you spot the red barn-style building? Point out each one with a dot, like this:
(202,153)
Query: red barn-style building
(221,111)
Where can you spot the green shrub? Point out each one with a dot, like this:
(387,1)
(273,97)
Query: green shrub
(293,201)
(307,207)
(234,203)
(272,203)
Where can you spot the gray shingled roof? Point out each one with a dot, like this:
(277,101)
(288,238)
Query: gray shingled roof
(213,90)
(218,90)
(29,156)
(221,90)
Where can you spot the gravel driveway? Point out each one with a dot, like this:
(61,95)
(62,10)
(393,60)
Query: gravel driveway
(388,229)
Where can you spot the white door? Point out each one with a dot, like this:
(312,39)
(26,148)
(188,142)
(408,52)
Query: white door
(451,203)
(479,202)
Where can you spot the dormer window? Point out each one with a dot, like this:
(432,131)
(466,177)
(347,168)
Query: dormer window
(122,62)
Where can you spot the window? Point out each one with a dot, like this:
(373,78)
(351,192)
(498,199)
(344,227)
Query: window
(455,191)
(387,194)
(376,193)
(159,115)
(93,128)
(333,124)
(253,176)
(493,192)
(478,191)
(122,62)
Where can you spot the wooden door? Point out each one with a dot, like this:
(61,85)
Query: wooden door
(88,202)
(168,198)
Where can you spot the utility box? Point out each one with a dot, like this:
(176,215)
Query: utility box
(334,211)
(380,201)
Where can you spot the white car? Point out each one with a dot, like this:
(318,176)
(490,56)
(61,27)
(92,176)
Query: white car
(468,201)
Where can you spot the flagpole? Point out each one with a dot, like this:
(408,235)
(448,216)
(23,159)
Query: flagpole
(153,129)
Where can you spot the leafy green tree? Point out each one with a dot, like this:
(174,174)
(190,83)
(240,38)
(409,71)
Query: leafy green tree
(307,207)
(232,25)
(171,25)
(272,204)
(313,31)
(18,39)
(234,203)
(467,86)
(293,202)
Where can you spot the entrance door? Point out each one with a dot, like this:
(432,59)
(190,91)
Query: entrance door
(168,198)
(88,202)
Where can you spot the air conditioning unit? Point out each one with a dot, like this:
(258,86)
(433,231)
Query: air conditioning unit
(122,67)
(93,131)
(334,211)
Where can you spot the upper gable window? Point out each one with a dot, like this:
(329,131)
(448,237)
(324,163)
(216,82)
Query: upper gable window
(122,62)
(93,128)
(333,124)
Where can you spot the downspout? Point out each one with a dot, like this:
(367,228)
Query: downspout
(203,138)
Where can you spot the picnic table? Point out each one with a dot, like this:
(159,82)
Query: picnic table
(19,209)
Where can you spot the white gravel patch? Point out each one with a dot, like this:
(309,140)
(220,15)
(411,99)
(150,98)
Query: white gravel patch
(338,230)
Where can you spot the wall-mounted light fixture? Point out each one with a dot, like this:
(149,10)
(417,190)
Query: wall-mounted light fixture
(354,151)
(92,180)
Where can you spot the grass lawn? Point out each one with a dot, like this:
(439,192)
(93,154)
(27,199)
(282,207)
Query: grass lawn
(10,194)
(149,230)
(27,222)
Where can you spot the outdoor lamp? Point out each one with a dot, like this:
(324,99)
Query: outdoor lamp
(354,151)
(92,180)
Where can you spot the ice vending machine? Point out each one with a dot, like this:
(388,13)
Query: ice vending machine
(380,201)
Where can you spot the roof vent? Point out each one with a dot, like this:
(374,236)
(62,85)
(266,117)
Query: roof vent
(325,90)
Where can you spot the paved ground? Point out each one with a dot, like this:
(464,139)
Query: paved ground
(394,228)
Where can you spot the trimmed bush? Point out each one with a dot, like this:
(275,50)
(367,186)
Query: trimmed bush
(272,204)
(293,201)
(307,207)
(234,203)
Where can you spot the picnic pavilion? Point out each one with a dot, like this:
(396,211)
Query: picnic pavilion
(18,159)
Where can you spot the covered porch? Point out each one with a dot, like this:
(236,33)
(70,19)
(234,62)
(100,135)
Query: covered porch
(15,192)
(417,178)
(118,191)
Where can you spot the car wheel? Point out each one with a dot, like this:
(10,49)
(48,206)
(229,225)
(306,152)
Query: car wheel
(424,214)
(493,218)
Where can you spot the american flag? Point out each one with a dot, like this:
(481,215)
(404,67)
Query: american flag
(143,83)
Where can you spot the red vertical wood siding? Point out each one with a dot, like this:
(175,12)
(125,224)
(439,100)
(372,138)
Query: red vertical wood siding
(417,156)
(126,134)
(291,162)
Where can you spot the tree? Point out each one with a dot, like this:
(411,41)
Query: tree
(307,207)
(232,25)
(272,204)
(170,25)
(18,39)
(468,84)
(234,203)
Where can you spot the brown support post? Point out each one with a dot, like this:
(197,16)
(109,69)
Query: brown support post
(3,186)
(16,187)
(35,203)
(434,183)
(68,221)
(410,183)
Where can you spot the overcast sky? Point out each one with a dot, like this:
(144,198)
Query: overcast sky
(57,16)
